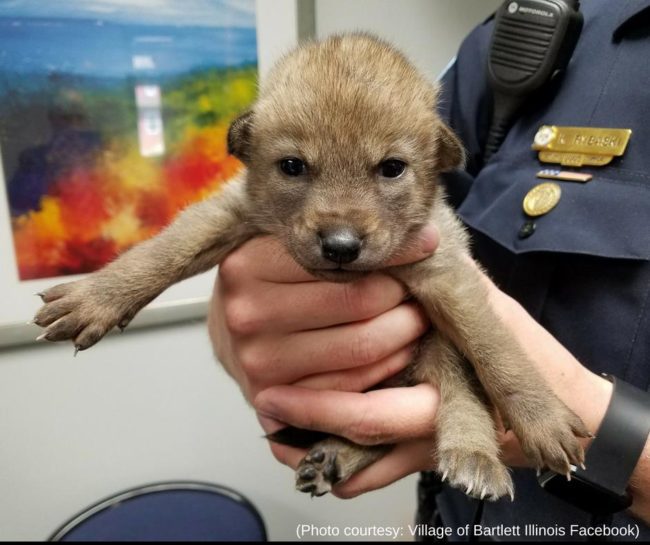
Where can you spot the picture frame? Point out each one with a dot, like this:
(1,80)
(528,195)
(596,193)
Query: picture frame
(279,26)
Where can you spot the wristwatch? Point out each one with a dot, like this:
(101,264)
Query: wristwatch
(601,488)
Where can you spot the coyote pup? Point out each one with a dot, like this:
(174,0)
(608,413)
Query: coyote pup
(342,150)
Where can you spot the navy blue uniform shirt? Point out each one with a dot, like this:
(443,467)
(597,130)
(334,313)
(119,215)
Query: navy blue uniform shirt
(584,273)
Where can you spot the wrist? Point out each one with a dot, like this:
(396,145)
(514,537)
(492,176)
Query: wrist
(588,395)
(594,400)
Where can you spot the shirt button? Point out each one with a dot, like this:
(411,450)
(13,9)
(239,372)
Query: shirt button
(527,229)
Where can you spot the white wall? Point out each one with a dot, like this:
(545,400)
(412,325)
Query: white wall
(152,405)
(145,406)
(428,31)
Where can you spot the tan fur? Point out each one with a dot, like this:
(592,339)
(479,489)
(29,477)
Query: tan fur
(344,106)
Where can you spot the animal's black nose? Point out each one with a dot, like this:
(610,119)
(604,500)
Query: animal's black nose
(341,245)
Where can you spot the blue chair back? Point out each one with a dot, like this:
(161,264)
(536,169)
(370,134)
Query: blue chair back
(171,511)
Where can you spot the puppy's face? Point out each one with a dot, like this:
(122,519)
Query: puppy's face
(343,170)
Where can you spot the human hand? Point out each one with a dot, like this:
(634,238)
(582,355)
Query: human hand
(405,415)
(272,323)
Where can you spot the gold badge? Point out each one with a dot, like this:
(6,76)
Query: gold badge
(578,146)
(542,198)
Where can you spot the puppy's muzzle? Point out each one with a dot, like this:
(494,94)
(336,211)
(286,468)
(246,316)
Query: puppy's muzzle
(341,244)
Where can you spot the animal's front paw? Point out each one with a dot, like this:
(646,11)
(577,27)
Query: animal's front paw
(318,471)
(475,473)
(550,438)
(83,311)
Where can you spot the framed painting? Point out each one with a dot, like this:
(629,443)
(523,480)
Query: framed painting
(113,117)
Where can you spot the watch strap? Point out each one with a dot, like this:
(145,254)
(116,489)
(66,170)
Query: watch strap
(601,488)
(620,440)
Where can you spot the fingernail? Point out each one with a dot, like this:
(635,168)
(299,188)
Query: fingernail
(429,238)
(266,407)
(266,411)
(270,425)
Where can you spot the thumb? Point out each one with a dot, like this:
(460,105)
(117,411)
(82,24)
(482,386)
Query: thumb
(376,417)
(421,245)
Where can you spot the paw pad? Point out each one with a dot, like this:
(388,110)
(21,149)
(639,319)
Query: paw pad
(317,472)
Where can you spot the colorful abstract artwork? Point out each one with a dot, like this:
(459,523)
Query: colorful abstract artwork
(113,117)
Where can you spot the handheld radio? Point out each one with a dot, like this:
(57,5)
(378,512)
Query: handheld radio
(532,43)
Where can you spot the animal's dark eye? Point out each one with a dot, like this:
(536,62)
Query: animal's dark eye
(292,166)
(392,168)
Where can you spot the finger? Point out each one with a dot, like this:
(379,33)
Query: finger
(270,425)
(420,247)
(359,379)
(263,259)
(378,417)
(289,456)
(268,308)
(332,349)
(511,453)
(267,259)
(405,459)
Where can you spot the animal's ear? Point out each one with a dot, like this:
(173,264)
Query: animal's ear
(239,136)
(450,151)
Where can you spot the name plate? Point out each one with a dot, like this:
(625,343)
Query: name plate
(582,140)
